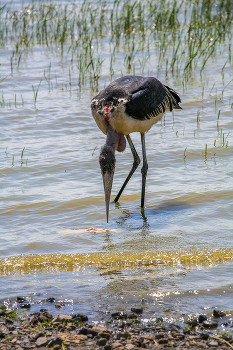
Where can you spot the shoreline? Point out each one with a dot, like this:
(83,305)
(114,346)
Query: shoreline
(41,330)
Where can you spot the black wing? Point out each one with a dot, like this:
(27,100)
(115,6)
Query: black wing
(144,98)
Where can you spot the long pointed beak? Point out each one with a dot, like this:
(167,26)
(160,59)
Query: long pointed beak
(107,180)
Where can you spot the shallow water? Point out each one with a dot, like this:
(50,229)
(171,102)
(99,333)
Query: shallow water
(179,253)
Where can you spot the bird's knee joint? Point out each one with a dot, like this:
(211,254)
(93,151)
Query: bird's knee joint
(144,169)
(137,161)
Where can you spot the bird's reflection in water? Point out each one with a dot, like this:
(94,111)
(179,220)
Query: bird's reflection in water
(107,238)
(152,218)
(133,220)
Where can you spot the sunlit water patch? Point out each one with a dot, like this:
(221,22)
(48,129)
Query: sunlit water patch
(116,281)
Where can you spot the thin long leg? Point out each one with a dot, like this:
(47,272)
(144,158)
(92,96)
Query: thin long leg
(134,167)
(144,169)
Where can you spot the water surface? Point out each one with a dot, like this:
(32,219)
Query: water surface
(178,253)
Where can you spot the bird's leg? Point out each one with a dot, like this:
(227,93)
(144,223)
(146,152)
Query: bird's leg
(144,169)
(134,167)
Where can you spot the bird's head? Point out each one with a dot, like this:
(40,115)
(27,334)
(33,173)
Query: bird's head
(107,162)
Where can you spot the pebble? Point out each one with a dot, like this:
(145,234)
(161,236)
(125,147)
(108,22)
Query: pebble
(62,331)
(116,345)
(9,321)
(125,335)
(79,318)
(160,335)
(218,313)
(193,322)
(101,342)
(50,300)
(54,341)
(130,347)
(108,347)
(202,318)
(132,315)
(60,318)
(105,334)
(20,300)
(137,310)
(163,340)
(204,336)
(210,324)
(41,341)
(119,315)
(25,306)
(213,343)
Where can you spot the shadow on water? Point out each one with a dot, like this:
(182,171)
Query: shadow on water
(151,217)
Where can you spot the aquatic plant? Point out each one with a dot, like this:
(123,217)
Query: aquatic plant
(35,92)
(168,35)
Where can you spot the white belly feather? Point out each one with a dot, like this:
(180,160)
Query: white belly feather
(122,122)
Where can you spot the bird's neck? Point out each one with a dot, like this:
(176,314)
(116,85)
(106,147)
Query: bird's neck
(115,141)
(112,140)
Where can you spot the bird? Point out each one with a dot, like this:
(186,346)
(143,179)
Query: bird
(129,104)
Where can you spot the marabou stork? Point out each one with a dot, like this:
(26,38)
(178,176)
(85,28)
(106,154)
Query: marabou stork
(129,104)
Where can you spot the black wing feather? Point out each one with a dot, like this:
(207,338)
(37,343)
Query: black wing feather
(144,98)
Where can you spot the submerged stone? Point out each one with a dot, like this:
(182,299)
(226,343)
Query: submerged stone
(20,300)
(25,306)
(202,318)
(137,310)
(218,313)
(193,322)
(50,300)
(119,315)
(210,324)
(79,318)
